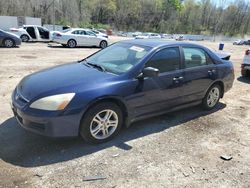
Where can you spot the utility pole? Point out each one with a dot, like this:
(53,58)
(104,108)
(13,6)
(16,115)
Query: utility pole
(54,16)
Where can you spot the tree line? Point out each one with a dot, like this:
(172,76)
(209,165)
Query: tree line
(165,16)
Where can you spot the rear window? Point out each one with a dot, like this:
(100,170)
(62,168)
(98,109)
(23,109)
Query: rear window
(195,57)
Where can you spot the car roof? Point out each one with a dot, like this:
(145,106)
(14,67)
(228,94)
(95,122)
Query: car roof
(80,29)
(154,43)
(32,26)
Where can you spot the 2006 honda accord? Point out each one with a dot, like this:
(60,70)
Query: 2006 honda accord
(127,81)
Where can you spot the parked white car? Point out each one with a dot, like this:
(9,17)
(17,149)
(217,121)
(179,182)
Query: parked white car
(32,33)
(245,66)
(238,42)
(148,36)
(79,37)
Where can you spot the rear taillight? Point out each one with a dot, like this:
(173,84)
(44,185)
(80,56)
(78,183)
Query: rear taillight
(247,52)
(14,30)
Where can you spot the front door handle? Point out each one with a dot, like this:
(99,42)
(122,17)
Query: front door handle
(210,72)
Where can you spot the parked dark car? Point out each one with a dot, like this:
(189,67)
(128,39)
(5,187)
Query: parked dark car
(8,39)
(125,82)
(247,42)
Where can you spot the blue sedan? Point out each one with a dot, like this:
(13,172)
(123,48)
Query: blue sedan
(127,81)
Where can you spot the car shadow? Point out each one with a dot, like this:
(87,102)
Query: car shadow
(60,46)
(244,79)
(22,148)
(10,48)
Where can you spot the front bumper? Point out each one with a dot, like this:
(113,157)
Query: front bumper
(63,126)
(46,124)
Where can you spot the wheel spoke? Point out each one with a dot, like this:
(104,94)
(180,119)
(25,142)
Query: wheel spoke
(108,115)
(105,132)
(97,119)
(112,123)
(96,130)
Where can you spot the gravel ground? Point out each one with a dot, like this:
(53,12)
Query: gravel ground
(180,149)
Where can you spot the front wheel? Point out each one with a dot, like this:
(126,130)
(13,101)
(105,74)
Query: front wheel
(101,123)
(212,97)
(103,44)
(9,43)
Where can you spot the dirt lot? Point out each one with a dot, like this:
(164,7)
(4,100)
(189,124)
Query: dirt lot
(180,149)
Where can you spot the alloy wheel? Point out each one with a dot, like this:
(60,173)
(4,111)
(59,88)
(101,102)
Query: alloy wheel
(104,124)
(25,38)
(8,43)
(72,44)
(213,97)
(103,44)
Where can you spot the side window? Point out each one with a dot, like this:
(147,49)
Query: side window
(82,32)
(77,32)
(195,57)
(166,60)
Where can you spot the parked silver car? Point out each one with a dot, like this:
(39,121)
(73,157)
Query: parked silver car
(79,37)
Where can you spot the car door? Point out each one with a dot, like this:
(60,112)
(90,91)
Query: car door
(44,33)
(160,93)
(199,73)
(79,36)
(31,32)
(92,39)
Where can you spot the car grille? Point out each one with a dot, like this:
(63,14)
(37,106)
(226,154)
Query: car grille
(20,99)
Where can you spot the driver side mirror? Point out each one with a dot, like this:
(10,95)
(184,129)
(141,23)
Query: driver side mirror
(150,72)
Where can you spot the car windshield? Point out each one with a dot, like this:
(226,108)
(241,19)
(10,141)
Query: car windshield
(94,31)
(119,58)
(66,30)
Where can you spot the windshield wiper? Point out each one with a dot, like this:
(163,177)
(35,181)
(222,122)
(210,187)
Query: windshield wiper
(97,66)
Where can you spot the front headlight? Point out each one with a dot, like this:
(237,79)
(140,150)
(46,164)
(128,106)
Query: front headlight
(54,102)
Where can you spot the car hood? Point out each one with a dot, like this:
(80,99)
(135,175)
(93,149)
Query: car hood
(12,35)
(68,78)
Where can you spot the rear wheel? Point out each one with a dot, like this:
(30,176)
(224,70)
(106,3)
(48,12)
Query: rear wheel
(101,123)
(72,43)
(25,38)
(212,97)
(244,72)
(103,44)
(9,43)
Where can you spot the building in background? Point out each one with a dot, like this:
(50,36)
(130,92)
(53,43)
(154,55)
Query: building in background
(7,22)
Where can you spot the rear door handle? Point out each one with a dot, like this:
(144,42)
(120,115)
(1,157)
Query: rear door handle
(177,78)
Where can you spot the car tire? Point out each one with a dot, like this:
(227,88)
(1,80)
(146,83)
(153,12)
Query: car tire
(9,43)
(212,97)
(71,43)
(244,73)
(101,123)
(103,44)
(24,38)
